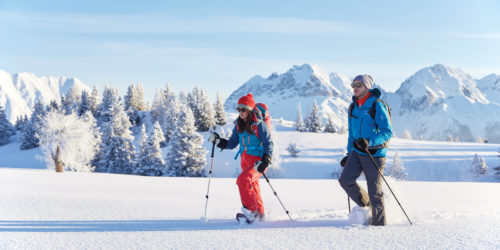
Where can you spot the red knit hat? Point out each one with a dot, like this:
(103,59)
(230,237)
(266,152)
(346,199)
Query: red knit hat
(246,102)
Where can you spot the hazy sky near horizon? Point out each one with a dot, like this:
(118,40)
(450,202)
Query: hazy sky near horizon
(219,45)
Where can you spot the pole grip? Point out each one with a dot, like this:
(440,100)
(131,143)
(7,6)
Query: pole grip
(213,147)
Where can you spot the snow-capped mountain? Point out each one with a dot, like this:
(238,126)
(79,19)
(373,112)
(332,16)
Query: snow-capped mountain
(19,92)
(490,86)
(299,85)
(439,101)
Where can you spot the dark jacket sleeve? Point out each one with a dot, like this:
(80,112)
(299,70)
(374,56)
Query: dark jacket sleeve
(233,141)
(265,138)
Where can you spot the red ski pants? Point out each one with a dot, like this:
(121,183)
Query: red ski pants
(248,184)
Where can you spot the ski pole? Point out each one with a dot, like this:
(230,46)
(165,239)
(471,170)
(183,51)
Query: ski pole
(276,194)
(376,165)
(209,178)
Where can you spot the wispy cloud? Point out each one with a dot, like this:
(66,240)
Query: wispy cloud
(494,36)
(165,24)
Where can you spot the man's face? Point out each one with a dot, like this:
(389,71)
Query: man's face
(359,89)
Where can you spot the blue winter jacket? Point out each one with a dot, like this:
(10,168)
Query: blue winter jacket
(253,145)
(361,125)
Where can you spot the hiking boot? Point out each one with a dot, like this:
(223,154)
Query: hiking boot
(249,214)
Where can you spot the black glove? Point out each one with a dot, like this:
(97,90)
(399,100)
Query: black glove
(361,144)
(266,160)
(222,143)
(343,161)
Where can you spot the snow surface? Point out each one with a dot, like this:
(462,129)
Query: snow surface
(448,205)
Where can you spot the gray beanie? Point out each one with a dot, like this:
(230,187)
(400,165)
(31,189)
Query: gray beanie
(367,80)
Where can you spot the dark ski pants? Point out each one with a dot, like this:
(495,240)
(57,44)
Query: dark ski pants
(355,164)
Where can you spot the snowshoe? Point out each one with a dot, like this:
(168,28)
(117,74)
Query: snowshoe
(242,219)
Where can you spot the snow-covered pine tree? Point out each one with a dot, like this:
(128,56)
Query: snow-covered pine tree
(169,121)
(6,128)
(330,125)
(69,142)
(478,165)
(84,105)
(94,101)
(293,149)
(127,99)
(313,121)
(159,106)
(300,126)
(220,113)
(138,101)
(110,100)
(116,151)
(407,135)
(29,134)
(20,121)
(397,170)
(185,155)
(203,110)
(149,160)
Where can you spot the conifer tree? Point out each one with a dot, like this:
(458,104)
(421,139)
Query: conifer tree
(116,151)
(203,110)
(478,165)
(397,170)
(150,161)
(185,155)
(220,114)
(6,129)
(29,135)
(299,125)
(84,105)
(94,100)
(313,122)
(330,125)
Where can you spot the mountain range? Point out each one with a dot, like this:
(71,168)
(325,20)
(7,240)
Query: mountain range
(19,92)
(435,103)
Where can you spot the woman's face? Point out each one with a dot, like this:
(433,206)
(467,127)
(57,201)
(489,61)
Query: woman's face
(243,113)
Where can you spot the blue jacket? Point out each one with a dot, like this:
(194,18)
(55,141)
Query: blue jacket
(361,125)
(251,143)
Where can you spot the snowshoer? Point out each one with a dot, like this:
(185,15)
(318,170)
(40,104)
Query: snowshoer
(253,136)
(366,133)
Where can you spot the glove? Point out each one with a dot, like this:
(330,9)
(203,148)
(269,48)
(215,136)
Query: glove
(214,138)
(343,161)
(361,144)
(262,165)
(222,144)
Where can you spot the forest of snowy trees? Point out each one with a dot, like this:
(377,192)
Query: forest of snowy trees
(108,133)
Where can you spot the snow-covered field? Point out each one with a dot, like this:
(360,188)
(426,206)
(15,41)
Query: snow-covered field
(449,206)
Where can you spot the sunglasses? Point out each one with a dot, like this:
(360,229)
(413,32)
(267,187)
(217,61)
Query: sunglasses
(357,85)
(241,110)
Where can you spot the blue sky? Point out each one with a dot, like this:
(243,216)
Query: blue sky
(219,45)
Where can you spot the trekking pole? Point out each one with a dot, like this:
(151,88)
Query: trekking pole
(209,178)
(376,165)
(276,194)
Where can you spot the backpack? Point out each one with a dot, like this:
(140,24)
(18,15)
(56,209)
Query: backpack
(260,112)
(373,110)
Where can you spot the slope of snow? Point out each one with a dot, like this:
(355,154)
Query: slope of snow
(19,92)
(44,209)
